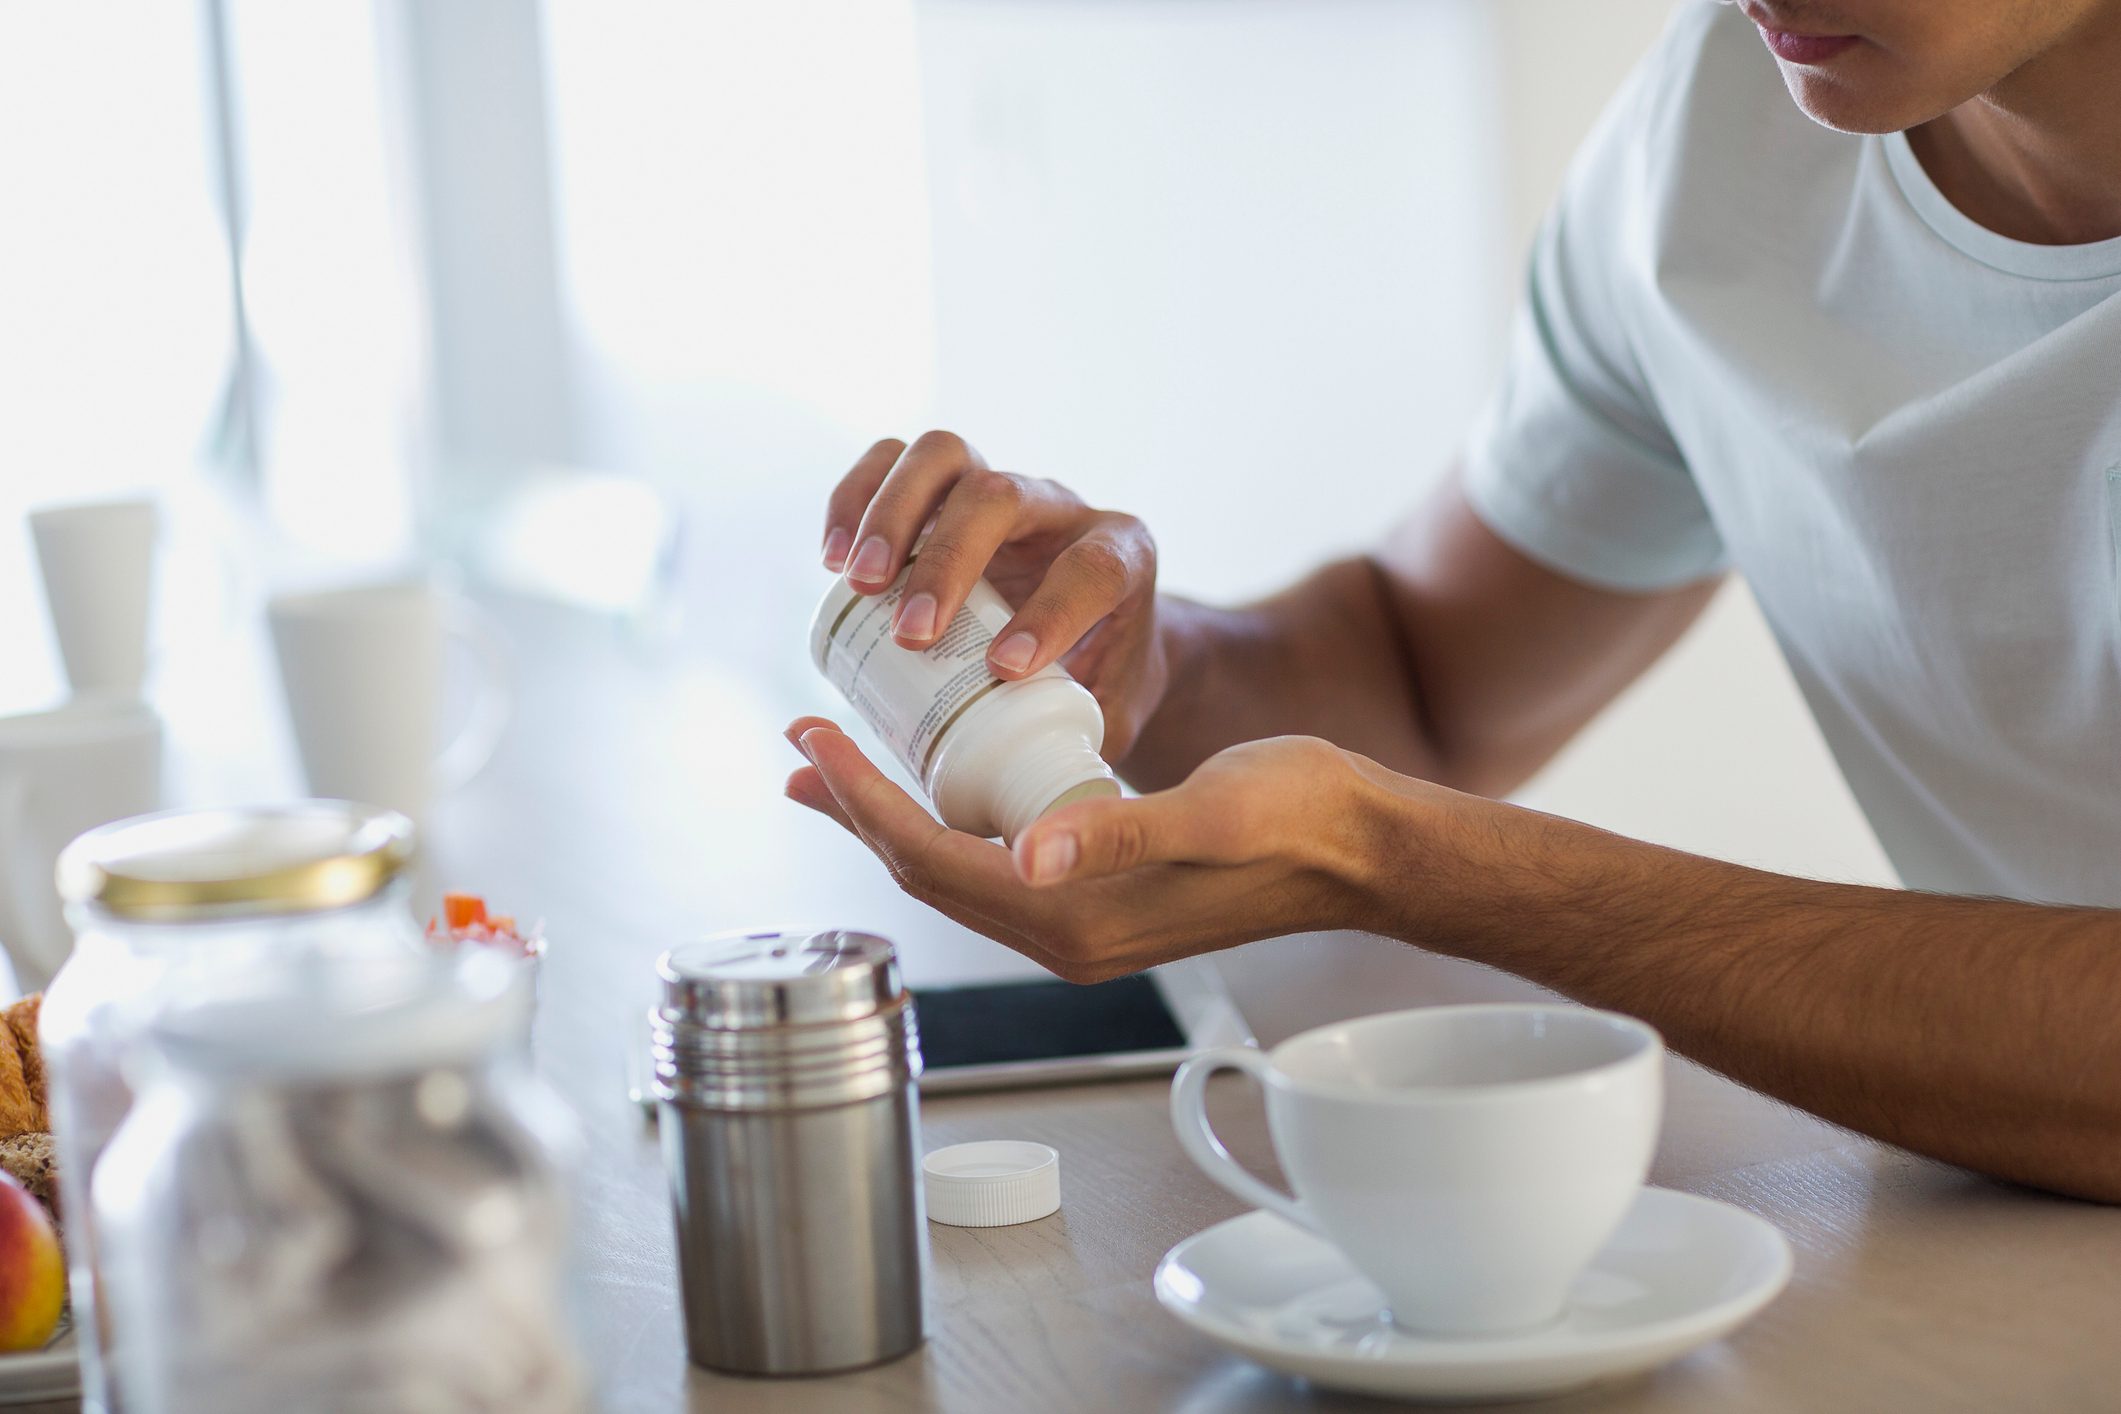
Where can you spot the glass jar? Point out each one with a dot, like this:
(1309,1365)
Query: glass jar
(342,1195)
(176,905)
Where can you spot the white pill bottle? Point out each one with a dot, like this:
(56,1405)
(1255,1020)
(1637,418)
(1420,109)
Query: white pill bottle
(993,756)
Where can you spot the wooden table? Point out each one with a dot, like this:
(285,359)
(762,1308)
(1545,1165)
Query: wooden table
(1917,1286)
(635,804)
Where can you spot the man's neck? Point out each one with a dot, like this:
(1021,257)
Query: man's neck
(2038,157)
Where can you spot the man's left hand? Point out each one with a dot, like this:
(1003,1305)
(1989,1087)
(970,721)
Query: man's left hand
(1266,838)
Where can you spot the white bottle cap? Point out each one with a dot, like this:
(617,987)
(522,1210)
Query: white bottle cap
(992,1184)
(1045,775)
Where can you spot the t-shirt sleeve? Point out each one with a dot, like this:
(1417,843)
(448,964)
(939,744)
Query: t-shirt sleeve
(1571,461)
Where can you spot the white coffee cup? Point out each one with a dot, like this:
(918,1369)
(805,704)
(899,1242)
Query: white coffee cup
(362,669)
(63,772)
(97,562)
(1470,1160)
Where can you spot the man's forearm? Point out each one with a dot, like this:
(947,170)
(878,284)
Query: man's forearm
(1979,1031)
(1322,658)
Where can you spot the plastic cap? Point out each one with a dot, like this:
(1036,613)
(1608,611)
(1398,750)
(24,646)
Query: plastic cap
(992,1184)
(1047,774)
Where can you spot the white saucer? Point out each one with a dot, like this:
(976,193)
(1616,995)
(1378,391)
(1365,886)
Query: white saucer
(1681,1271)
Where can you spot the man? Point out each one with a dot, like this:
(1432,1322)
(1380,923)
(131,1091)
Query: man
(1869,355)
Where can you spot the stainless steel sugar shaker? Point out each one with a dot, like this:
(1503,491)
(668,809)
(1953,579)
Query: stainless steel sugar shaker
(785,1070)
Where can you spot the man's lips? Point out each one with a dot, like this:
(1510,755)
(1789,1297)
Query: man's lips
(1805,48)
(1789,45)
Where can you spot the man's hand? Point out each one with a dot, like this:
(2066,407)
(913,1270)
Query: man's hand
(1263,839)
(1082,581)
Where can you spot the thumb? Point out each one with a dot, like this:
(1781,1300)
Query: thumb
(1099,837)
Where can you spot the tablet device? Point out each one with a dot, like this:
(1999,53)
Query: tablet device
(1042,1032)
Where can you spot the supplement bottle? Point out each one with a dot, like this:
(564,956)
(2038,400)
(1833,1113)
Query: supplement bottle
(993,756)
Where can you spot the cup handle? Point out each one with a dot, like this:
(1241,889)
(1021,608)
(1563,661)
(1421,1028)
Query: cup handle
(467,755)
(1189,1116)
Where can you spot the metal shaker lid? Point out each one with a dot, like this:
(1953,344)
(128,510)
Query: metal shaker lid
(751,981)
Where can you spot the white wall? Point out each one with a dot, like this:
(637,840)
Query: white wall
(1229,266)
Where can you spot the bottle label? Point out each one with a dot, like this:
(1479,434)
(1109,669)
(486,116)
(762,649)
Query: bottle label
(910,697)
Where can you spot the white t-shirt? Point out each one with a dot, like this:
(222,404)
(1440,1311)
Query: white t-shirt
(1752,342)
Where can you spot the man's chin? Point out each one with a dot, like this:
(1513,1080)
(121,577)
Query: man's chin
(1852,108)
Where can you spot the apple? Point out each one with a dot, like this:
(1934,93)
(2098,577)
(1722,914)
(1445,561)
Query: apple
(32,1270)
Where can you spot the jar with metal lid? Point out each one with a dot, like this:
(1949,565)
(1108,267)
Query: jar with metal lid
(172,905)
(785,1070)
(341,1193)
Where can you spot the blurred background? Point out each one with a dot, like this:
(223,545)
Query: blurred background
(587,305)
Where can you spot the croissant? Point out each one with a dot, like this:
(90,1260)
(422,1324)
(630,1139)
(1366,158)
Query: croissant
(25,1122)
(22,1096)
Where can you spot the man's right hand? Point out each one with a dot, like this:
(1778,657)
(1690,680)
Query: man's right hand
(1082,581)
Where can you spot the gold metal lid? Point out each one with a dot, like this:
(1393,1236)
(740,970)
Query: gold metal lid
(185,865)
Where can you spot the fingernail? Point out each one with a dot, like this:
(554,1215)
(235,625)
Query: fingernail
(836,542)
(802,744)
(1053,856)
(1014,654)
(871,560)
(916,618)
